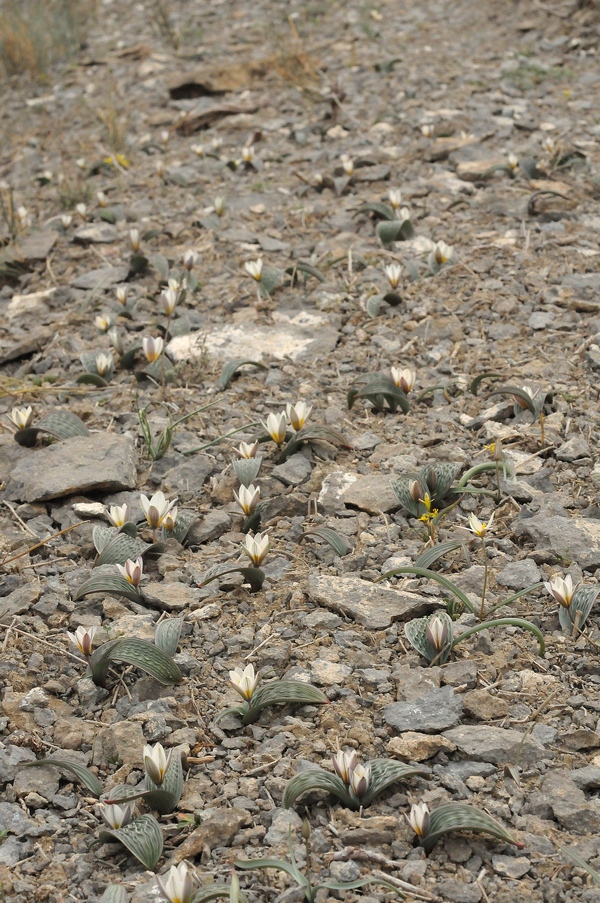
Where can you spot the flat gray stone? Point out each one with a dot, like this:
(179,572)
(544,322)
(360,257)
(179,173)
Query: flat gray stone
(495,744)
(519,574)
(14,820)
(574,538)
(453,891)
(331,496)
(511,866)
(79,465)
(372,493)
(19,601)
(282,820)
(327,673)
(171,596)
(13,851)
(573,449)
(189,475)
(295,334)
(435,711)
(30,249)
(561,798)
(211,526)
(103,277)
(294,471)
(371,605)
(98,234)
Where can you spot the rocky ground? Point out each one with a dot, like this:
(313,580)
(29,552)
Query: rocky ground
(484,116)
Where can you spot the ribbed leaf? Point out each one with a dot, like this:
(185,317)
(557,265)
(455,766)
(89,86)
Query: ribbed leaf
(213,892)
(382,210)
(183,524)
(438,478)
(416,634)
(120,548)
(338,543)
(100,661)
(60,424)
(300,267)
(432,575)
(373,305)
(83,774)
(574,857)
(231,368)
(122,793)
(164,798)
(582,601)
(270,278)
(102,535)
(401,487)
(254,576)
(360,882)
(489,374)
(246,469)
(112,583)
(283,692)
(316,779)
(379,389)
(453,817)
(308,433)
(388,232)
(91,379)
(384,773)
(114,893)
(238,710)
(431,555)
(142,837)
(166,635)
(518,392)
(148,658)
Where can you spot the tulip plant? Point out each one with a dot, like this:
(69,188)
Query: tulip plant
(274,692)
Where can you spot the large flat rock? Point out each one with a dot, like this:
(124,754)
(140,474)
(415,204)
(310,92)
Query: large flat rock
(371,605)
(78,465)
(434,711)
(295,334)
(486,743)
(372,493)
(573,538)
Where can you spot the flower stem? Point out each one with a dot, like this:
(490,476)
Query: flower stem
(485,577)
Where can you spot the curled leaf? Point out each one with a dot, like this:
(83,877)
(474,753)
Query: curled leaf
(254,576)
(83,774)
(453,817)
(59,424)
(231,368)
(338,543)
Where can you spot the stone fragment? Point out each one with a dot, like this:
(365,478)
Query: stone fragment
(11,757)
(101,233)
(572,538)
(372,493)
(282,821)
(484,706)
(209,526)
(371,605)
(328,673)
(78,465)
(29,249)
(122,742)
(13,851)
(587,778)
(460,674)
(519,574)
(475,170)
(188,476)
(573,449)
(43,780)
(171,596)
(560,797)
(495,744)
(19,601)
(102,278)
(417,747)
(453,891)
(514,867)
(218,829)
(295,334)
(294,471)
(437,710)
(357,831)
(331,496)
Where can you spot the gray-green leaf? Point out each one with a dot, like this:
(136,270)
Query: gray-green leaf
(231,368)
(142,837)
(460,817)
(338,543)
(166,635)
(83,774)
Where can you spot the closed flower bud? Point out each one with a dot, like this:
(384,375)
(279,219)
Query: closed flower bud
(394,274)
(118,515)
(190,258)
(395,196)
(116,816)
(344,763)
(248,498)
(256,547)
(168,299)
(66,220)
(104,364)
(83,638)
(298,414)
(418,819)
(121,294)
(561,590)
(347,164)
(169,520)
(103,323)
(134,238)
(404,379)
(360,777)
(153,348)
(247,449)
(156,508)
(132,570)
(179,886)
(276,427)
(219,205)
(436,633)
(254,268)
(156,762)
